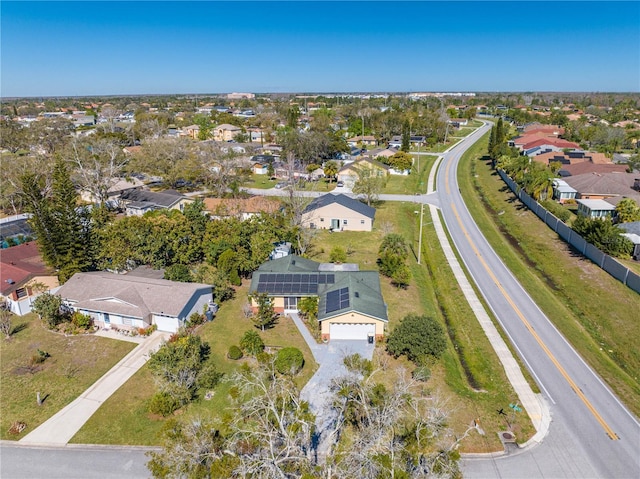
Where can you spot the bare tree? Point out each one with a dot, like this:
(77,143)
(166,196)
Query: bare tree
(6,325)
(98,165)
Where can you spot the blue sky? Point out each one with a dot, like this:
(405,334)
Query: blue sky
(99,48)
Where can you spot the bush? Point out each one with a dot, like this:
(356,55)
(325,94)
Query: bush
(39,357)
(337,255)
(195,319)
(289,361)
(82,321)
(163,404)
(421,373)
(417,337)
(251,343)
(557,210)
(234,353)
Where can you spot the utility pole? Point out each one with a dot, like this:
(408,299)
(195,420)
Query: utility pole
(420,237)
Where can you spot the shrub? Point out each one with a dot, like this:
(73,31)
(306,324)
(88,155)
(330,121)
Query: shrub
(417,337)
(251,343)
(39,356)
(263,357)
(557,210)
(234,353)
(163,404)
(337,255)
(421,373)
(195,319)
(289,361)
(82,321)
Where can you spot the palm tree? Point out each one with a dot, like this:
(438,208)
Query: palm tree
(330,169)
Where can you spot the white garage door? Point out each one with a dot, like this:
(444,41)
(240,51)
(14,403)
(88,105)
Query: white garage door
(166,324)
(351,331)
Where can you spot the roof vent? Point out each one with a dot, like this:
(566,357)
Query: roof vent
(357,294)
(10,281)
(293,261)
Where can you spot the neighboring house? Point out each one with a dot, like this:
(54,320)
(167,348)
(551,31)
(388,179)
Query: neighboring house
(350,303)
(595,208)
(562,192)
(23,277)
(458,122)
(367,140)
(139,202)
(280,250)
(395,142)
(632,232)
(256,135)
(350,172)
(15,230)
(191,131)
(593,186)
(544,145)
(127,302)
(243,208)
(119,186)
(338,213)
(226,132)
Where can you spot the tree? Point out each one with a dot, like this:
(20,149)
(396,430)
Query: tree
(417,337)
(308,308)
(406,136)
(178,272)
(604,235)
(392,254)
(251,343)
(6,326)
(401,276)
(48,307)
(330,170)
(177,365)
(627,211)
(265,317)
(189,449)
(400,161)
(369,184)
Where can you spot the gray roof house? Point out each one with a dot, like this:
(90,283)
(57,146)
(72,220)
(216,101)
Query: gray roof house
(338,213)
(350,303)
(138,202)
(129,302)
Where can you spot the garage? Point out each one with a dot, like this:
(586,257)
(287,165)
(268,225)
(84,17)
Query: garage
(351,330)
(166,323)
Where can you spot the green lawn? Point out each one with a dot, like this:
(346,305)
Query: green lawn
(123,418)
(595,312)
(413,183)
(76,362)
(260,181)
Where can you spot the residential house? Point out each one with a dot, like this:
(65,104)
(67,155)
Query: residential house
(280,250)
(138,202)
(350,303)
(338,213)
(607,186)
(367,140)
(15,229)
(632,232)
(118,187)
(350,172)
(23,277)
(595,208)
(226,132)
(243,208)
(562,192)
(128,302)
(192,131)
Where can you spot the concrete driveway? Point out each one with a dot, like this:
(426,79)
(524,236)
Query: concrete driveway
(317,392)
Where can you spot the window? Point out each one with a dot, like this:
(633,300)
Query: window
(344,222)
(361,222)
(21,293)
(321,220)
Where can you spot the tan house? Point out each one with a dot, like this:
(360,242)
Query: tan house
(226,132)
(367,140)
(192,131)
(338,213)
(350,303)
(350,173)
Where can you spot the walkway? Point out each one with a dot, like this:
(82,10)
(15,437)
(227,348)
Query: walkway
(60,428)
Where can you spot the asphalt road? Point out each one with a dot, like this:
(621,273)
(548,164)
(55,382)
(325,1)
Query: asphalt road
(592,434)
(72,462)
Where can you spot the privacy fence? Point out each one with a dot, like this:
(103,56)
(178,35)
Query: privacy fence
(604,261)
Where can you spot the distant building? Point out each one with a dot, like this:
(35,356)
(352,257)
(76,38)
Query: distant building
(240,96)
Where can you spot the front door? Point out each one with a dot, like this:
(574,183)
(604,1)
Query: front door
(335,224)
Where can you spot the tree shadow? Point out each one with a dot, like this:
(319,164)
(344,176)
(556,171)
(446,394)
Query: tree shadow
(19,327)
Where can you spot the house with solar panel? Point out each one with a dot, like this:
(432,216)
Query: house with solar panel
(338,213)
(350,303)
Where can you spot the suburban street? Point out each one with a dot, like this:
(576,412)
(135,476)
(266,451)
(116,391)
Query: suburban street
(592,434)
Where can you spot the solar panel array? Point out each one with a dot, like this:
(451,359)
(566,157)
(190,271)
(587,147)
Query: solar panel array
(336,300)
(293,283)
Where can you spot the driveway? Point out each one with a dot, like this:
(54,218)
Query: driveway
(317,392)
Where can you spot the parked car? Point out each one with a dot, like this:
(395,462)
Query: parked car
(340,183)
(280,185)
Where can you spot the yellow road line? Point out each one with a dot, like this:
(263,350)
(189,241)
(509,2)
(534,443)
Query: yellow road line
(544,347)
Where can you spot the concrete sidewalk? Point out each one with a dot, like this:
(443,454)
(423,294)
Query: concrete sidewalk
(60,428)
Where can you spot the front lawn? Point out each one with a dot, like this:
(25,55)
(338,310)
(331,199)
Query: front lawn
(75,363)
(124,419)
